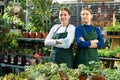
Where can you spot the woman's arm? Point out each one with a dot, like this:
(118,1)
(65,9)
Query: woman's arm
(49,41)
(100,38)
(66,42)
(79,38)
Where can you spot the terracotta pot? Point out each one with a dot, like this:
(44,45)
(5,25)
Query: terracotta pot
(32,34)
(36,55)
(63,76)
(118,55)
(39,35)
(45,34)
(98,77)
(82,77)
(26,34)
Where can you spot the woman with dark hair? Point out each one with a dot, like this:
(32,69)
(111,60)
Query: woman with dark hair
(61,37)
(88,38)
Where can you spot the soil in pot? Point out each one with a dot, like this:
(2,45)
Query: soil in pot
(82,77)
(98,77)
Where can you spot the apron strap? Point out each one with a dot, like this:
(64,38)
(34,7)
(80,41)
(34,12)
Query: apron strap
(93,29)
(66,28)
(60,26)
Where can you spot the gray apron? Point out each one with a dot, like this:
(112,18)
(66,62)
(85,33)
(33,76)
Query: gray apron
(61,55)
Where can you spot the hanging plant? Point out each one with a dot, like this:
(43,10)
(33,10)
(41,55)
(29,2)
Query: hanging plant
(17,9)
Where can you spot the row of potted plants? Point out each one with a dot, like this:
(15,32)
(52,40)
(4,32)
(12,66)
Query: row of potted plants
(39,35)
(113,30)
(110,53)
(24,56)
(52,71)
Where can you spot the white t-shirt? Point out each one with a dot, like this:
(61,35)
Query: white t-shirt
(66,42)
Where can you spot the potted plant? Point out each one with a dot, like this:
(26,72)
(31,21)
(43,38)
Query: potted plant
(95,70)
(14,15)
(117,50)
(41,14)
(83,72)
(111,74)
(30,31)
(109,30)
(46,51)
(11,46)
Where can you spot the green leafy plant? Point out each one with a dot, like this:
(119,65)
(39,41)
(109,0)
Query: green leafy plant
(117,49)
(30,27)
(12,18)
(40,14)
(11,43)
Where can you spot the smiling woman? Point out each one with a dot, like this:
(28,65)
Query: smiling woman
(61,37)
(88,38)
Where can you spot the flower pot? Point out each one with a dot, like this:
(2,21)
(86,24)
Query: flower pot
(97,77)
(39,35)
(45,34)
(82,77)
(26,34)
(36,55)
(32,34)
(118,55)
(63,76)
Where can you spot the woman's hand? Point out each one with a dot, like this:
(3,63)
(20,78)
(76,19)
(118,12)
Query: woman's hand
(58,42)
(82,39)
(93,43)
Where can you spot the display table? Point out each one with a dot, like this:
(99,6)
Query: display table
(14,67)
(109,62)
(115,40)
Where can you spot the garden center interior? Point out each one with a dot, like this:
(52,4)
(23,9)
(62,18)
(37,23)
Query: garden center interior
(24,25)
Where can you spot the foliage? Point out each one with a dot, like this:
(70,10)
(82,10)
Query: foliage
(10,42)
(30,27)
(111,74)
(117,49)
(1,19)
(47,69)
(106,53)
(40,14)
(28,52)
(46,49)
(52,71)
(11,76)
(14,20)
(95,67)
(116,27)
